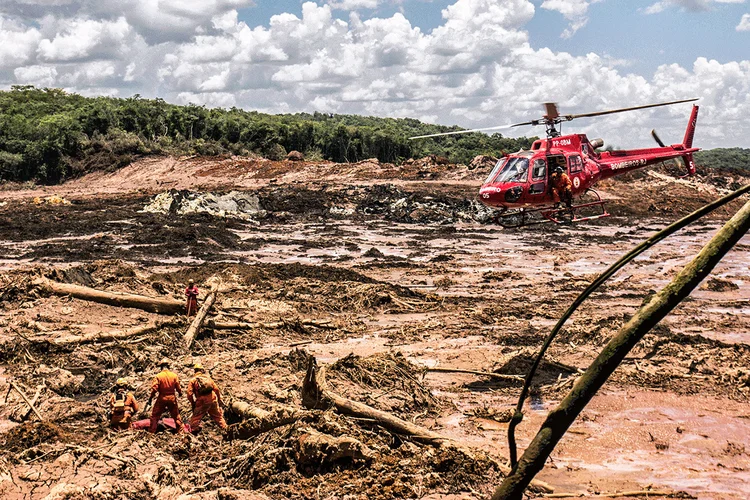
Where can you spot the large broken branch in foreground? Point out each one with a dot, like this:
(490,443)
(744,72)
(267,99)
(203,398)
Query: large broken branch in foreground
(195,327)
(660,305)
(316,394)
(151,304)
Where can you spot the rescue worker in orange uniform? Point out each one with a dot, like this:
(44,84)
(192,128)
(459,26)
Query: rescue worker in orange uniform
(122,406)
(562,188)
(205,398)
(191,292)
(167,385)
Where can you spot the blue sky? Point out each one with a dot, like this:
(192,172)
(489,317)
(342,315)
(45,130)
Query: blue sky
(473,63)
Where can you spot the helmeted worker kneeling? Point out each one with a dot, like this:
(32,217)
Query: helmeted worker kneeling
(205,398)
(167,385)
(122,406)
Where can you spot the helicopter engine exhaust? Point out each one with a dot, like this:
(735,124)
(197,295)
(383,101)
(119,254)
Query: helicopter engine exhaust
(597,143)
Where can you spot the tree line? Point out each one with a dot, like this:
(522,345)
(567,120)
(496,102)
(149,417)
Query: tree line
(48,135)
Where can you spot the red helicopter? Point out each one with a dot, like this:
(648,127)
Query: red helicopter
(529,183)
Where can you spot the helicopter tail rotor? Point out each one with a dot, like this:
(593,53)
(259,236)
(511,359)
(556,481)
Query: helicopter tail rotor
(657,139)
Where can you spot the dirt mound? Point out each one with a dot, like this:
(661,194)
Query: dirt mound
(483,162)
(386,381)
(279,466)
(398,205)
(30,434)
(547,372)
(233,204)
(720,285)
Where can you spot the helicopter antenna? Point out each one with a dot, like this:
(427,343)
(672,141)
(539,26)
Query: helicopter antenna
(552,118)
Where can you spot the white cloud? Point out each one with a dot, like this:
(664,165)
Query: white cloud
(744,23)
(78,40)
(575,11)
(41,76)
(17,43)
(354,4)
(688,5)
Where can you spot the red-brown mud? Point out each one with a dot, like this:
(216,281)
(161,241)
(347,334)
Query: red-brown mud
(382,272)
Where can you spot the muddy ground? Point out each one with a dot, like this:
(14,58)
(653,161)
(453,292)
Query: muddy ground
(380,273)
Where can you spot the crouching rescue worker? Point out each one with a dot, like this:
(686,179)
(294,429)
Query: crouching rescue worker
(205,398)
(166,386)
(122,406)
(562,187)
(191,292)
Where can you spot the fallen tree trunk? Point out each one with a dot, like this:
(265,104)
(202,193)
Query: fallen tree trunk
(316,394)
(313,448)
(195,326)
(500,376)
(257,421)
(654,310)
(108,336)
(243,325)
(156,305)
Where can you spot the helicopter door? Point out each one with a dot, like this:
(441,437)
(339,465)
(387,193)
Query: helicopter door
(578,175)
(538,177)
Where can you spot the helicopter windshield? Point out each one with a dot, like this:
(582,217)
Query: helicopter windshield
(514,170)
(498,166)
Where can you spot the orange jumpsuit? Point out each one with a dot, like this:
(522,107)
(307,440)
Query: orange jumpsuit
(122,416)
(204,404)
(166,384)
(562,188)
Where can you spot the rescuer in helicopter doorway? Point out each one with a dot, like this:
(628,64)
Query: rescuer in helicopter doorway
(562,188)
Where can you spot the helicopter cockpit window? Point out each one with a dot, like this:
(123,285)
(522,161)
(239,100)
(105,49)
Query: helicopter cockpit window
(576,164)
(539,171)
(498,167)
(515,170)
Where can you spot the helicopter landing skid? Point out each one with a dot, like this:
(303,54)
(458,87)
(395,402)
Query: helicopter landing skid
(573,214)
(576,213)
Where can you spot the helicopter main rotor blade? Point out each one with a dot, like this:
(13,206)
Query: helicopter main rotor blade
(611,111)
(462,132)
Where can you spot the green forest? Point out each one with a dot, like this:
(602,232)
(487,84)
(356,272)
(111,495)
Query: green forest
(49,135)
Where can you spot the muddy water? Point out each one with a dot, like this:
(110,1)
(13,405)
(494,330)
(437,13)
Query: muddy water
(410,252)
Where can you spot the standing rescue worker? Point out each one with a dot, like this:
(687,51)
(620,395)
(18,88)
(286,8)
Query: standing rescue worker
(191,292)
(562,188)
(205,398)
(122,406)
(167,385)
